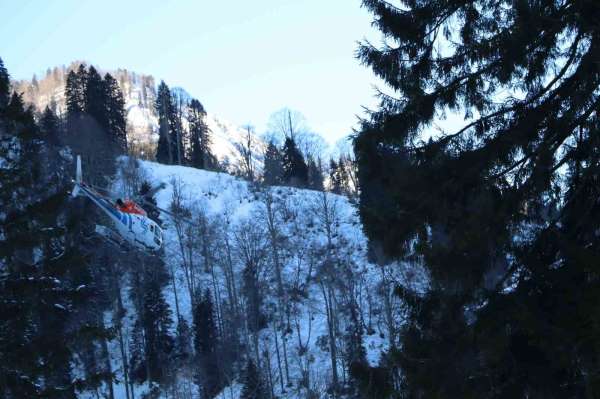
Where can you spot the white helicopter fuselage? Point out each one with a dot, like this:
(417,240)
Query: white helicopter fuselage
(138,230)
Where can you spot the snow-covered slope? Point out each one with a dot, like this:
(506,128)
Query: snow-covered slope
(318,231)
(139,91)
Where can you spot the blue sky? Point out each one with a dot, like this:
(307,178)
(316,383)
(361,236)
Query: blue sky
(242,59)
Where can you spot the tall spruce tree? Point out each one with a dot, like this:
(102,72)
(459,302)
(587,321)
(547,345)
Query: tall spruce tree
(165,111)
(75,91)
(206,343)
(72,95)
(157,321)
(273,165)
(50,126)
(178,133)
(4,87)
(503,212)
(115,113)
(96,99)
(200,155)
(295,170)
(315,175)
(15,110)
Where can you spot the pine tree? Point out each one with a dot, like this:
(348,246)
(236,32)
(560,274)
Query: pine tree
(165,111)
(178,135)
(4,87)
(183,349)
(75,91)
(200,153)
(502,212)
(156,320)
(206,344)
(15,110)
(115,111)
(50,126)
(137,355)
(273,165)
(38,251)
(96,99)
(253,383)
(295,170)
(72,95)
(315,176)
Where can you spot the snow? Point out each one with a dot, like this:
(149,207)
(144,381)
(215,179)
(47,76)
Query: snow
(139,92)
(231,204)
(143,128)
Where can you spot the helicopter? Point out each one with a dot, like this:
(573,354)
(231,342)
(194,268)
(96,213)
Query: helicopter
(131,224)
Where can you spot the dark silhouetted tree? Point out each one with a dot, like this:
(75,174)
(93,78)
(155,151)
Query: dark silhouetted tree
(295,170)
(206,343)
(164,108)
(253,383)
(200,155)
(273,165)
(315,175)
(503,212)
(50,126)
(96,99)
(4,87)
(115,113)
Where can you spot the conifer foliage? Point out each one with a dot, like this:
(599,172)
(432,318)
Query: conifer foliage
(273,165)
(166,151)
(200,155)
(295,170)
(253,383)
(206,342)
(4,87)
(44,276)
(89,97)
(504,211)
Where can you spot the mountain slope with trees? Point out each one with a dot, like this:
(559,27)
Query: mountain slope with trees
(140,94)
(273,276)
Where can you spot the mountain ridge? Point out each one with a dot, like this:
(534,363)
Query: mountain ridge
(139,91)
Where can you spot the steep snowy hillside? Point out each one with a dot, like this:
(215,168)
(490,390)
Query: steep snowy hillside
(139,91)
(330,296)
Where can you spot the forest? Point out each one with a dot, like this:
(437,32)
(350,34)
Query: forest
(449,248)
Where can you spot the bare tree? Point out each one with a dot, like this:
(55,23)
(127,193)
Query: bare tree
(226,262)
(251,245)
(186,238)
(248,149)
(132,176)
(286,123)
(275,239)
(325,208)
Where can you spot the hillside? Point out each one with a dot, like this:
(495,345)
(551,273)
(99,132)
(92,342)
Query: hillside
(139,91)
(322,251)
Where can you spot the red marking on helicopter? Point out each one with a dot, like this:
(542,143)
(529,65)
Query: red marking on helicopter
(128,206)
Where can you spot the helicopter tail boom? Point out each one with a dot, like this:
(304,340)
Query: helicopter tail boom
(76,189)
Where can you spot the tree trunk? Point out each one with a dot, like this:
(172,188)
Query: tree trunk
(331,330)
(278,359)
